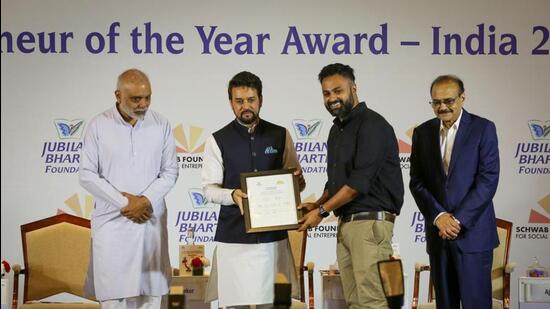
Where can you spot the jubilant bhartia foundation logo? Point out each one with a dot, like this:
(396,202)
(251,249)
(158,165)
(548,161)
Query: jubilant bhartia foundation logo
(189,146)
(533,156)
(68,129)
(197,198)
(539,130)
(418,227)
(197,214)
(202,221)
(312,154)
(62,156)
(307,129)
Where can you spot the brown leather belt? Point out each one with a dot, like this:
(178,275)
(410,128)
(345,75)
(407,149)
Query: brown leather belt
(369,215)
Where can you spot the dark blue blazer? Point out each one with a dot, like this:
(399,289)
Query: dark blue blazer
(468,189)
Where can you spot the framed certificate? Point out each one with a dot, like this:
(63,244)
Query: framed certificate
(272,200)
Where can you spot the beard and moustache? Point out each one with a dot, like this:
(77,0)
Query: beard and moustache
(135,114)
(252,119)
(343,111)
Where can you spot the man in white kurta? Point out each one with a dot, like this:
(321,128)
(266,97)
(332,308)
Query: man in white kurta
(128,164)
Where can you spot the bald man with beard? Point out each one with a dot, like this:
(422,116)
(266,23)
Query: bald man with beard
(128,163)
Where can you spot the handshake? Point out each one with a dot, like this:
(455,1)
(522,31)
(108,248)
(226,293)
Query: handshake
(139,208)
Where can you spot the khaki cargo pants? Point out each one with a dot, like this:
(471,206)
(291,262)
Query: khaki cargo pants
(361,244)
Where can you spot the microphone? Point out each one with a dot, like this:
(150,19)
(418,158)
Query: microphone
(283,292)
(280,278)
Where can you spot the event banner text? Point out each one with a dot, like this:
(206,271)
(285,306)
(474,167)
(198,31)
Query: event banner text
(483,39)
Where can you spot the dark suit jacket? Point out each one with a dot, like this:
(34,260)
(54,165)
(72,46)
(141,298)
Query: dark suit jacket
(467,191)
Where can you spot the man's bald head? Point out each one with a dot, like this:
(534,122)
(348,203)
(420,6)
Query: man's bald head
(133,95)
(131,76)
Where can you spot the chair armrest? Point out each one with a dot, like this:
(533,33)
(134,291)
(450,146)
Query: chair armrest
(418,268)
(310,266)
(17,270)
(509,268)
(311,298)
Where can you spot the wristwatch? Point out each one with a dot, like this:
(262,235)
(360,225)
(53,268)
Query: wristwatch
(322,212)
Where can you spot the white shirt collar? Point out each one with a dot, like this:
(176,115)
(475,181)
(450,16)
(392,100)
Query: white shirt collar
(455,125)
(121,119)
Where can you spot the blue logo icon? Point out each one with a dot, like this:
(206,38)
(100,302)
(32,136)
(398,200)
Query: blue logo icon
(69,129)
(307,129)
(271,150)
(539,129)
(197,198)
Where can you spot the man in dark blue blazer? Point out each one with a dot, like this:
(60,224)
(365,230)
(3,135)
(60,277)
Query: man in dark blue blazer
(454,176)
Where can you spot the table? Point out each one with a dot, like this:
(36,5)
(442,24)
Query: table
(194,289)
(534,293)
(333,295)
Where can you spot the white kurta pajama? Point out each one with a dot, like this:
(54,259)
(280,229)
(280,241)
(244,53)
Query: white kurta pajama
(128,259)
(244,274)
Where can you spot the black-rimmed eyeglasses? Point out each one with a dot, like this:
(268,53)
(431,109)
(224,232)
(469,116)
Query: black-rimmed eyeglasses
(448,101)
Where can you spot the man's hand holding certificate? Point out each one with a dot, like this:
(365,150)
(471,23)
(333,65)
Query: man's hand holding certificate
(271,200)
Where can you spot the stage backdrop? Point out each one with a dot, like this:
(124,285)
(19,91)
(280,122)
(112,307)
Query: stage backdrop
(60,60)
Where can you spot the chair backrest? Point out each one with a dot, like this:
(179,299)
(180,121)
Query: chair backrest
(500,257)
(393,282)
(298,247)
(56,252)
(500,260)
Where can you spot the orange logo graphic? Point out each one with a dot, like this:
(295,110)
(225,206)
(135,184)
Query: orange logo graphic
(405,147)
(537,217)
(191,144)
(73,202)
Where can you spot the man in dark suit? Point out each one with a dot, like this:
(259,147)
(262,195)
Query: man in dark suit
(454,176)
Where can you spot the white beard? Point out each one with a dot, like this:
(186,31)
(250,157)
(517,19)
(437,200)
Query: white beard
(132,114)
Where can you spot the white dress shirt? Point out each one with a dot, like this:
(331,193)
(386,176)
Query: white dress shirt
(447,141)
(451,134)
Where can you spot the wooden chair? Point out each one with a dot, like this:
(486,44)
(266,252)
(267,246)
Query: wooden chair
(56,253)
(298,246)
(501,271)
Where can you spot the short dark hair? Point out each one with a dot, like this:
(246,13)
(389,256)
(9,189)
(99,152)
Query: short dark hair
(337,68)
(448,78)
(245,79)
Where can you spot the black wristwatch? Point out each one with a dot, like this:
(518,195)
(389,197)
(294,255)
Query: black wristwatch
(322,212)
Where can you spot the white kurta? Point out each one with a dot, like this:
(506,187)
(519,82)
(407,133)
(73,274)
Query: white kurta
(128,259)
(244,274)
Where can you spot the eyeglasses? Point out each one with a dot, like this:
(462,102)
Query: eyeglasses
(448,101)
